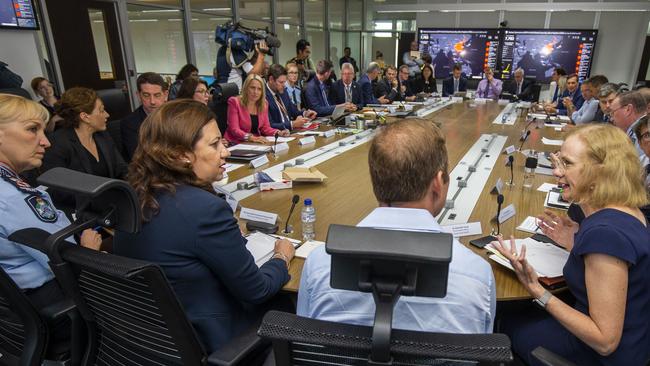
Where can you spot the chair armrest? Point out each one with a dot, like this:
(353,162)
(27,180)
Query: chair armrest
(549,358)
(57,310)
(238,348)
(31,237)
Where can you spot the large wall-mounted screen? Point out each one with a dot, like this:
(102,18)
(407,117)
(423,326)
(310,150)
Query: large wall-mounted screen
(539,51)
(472,49)
(18,14)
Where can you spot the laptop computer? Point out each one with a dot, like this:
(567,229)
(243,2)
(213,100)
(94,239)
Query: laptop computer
(338,116)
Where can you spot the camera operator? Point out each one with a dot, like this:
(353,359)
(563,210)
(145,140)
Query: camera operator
(255,65)
(302,60)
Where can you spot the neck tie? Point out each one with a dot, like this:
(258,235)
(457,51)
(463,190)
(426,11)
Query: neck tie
(487,89)
(456,85)
(283,110)
(518,88)
(293,96)
(322,90)
(348,94)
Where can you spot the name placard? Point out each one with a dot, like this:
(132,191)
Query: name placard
(510,149)
(329,133)
(281,147)
(257,215)
(307,140)
(507,213)
(256,163)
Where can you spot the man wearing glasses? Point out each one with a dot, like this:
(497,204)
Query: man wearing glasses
(626,112)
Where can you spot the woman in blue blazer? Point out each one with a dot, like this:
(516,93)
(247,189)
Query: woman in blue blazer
(190,231)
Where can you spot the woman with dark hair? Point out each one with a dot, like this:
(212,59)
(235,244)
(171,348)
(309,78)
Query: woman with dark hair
(426,82)
(43,88)
(190,231)
(194,88)
(184,73)
(82,143)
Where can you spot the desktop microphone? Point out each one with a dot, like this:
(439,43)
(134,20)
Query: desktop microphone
(523,139)
(483,241)
(294,201)
(275,142)
(511,162)
(499,203)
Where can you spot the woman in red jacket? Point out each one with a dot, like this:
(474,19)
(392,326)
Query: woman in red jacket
(248,114)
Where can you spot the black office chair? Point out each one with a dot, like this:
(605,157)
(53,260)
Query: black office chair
(219,104)
(115,131)
(548,358)
(17,91)
(24,331)
(368,260)
(472,84)
(131,312)
(116,102)
(536,89)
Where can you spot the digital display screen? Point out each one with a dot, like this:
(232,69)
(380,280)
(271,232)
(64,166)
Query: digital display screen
(472,49)
(18,14)
(538,52)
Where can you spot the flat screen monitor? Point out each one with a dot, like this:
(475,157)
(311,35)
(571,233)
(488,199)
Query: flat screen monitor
(472,49)
(539,51)
(18,14)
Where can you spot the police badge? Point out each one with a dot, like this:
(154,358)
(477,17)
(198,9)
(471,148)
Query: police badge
(42,208)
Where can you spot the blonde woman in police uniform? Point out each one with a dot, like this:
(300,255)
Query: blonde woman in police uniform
(22,145)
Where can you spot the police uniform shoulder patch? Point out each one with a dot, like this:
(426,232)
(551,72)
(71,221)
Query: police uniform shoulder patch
(42,208)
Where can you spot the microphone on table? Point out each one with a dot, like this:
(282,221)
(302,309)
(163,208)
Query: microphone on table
(277,134)
(482,242)
(294,201)
(523,139)
(511,162)
(499,203)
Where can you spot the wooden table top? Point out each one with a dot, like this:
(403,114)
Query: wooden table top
(347,197)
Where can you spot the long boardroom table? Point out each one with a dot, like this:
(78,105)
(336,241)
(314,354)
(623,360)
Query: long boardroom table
(346,197)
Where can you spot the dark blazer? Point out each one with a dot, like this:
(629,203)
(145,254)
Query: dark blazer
(576,98)
(526,89)
(68,152)
(315,99)
(196,241)
(367,91)
(337,94)
(419,86)
(275,115)
(448,86)
(384,89)
(130,130)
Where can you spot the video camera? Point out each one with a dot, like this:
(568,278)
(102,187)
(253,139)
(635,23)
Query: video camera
(243,39)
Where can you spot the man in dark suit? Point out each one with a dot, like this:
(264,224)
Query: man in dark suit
(152,92)
(404,91)
(316,91)
(455,83)
(365,83)
(520,86)
(283,114)
(388,88)
(346,90)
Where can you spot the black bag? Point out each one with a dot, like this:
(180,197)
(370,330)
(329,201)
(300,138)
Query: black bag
(9,79)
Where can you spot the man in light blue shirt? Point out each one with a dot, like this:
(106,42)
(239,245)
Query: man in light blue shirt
(489,87)
(408,168)
(587,111)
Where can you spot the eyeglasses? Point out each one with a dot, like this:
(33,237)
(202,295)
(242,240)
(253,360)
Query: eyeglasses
(203,92)
(612,111)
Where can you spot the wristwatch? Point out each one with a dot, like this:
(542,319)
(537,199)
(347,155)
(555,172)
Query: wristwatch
(247,136)
(543,300)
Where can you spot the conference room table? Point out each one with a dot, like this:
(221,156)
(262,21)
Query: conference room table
(346,197)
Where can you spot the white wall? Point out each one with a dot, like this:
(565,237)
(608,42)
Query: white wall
(621,35)
(19,49)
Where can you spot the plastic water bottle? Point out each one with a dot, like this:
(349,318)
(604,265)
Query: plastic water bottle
(308,218)
(529,169)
